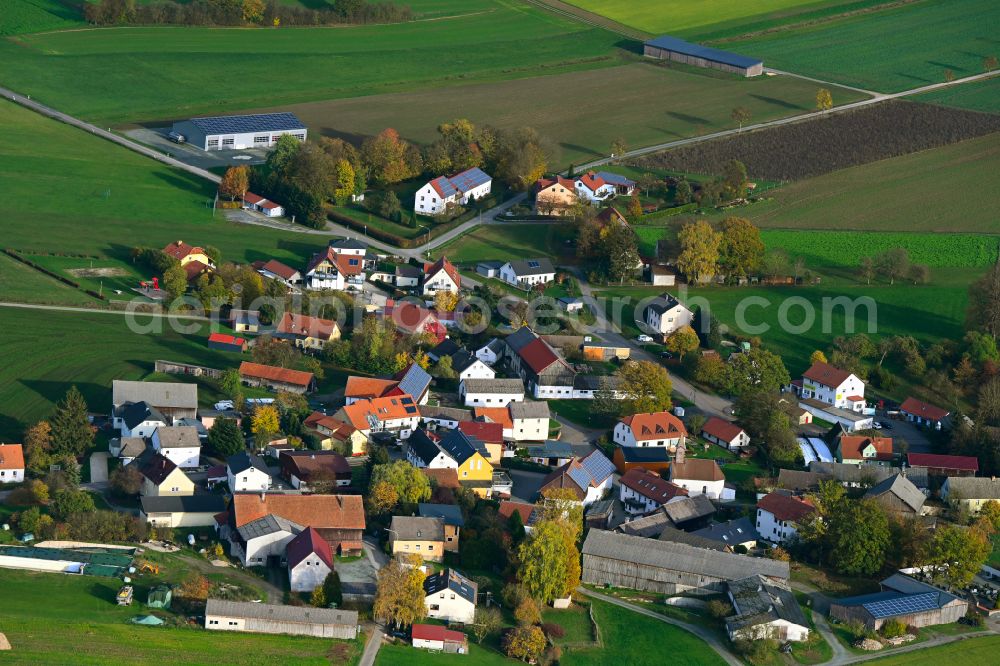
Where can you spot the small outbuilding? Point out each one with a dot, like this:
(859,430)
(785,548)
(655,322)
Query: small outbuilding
(441,639)
(223,615)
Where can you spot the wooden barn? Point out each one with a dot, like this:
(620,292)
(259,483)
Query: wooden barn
(667,567)
(677,50)
(902,598)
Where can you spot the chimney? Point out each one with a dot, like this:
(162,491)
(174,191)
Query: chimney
(262,496)
(679,453)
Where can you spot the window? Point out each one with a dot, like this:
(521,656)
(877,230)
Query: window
(260,139)
(435,607)
(213,622)
(300,136)
(418,546)
(229,141)
(213,143)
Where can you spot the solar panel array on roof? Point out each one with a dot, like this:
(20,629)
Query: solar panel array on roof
(903,605)
(257,122)
(444,187)
(415,381)
(698,51)
(580,476)
(598,466)
(469,179)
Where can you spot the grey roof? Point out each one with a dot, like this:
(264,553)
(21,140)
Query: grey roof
(902,488)
(645,454)
(294,614)
(348,244)
(469,179)
(847,473)
(167,395)
(490,264)
(445,187)
(445,413)
(731,532)
(408,271)
(758,600)
(495,345)
(615,178)
(596,382)
(184,504)
(664,303)
(900,595)
(794,479)
(970,487)
(131,447)
(415,381)
(679,557)
(423,446)
(255,122)
(178,437)
(268,524)
(135,413)
(450,513)
(706,53)
(601,507)
(539,266)
(692,539)
(247,317)
(446,347)
(551,448)
(647,526)
(413,528)
(519,338)
(461,446)
(463,360)
(449,579)
(244,461)
(529,409)
(496,385)
(689,508)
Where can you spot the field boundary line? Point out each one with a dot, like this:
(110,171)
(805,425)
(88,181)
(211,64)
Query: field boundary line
(581,15)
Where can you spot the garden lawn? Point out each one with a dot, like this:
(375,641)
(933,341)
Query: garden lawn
(581,413)
(23,16)
(947,189)
(889,51)
(644,103)
(510,240)
(92,630)
(22,283)
(170,72)
(405,655)
(46,352)
(73,193)
(575,621)
(977,96)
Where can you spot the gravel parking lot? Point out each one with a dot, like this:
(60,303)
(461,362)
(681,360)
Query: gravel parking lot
(156,138)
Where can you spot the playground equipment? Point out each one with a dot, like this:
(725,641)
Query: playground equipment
(150,284)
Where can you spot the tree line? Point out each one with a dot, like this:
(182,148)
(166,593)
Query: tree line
(271,13)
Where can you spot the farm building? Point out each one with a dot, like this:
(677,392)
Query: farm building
(310,561)
(182,510)
(764,610)
(294,381)
(944,465)
(436,637)
(667,567)
(652,458)
(95,560)
(902,598)
(174,400)
(677,50)
(226,342)
(273,619)
(258,130)
(258,203)
(922,413)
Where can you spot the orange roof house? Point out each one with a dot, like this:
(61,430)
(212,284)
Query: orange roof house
(858,449)
(257,374)
(185,253)
(650,429)
(11,463)
(389,413)
(367,388)
(339,519)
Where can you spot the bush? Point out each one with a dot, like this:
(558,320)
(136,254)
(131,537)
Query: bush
(553,630)
(719,609)
(893,628)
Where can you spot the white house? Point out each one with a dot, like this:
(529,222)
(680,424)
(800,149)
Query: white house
(589,478)
(422,451)
(594,188)
(468,366)
(529,421)
(764,609)
(180,444)
(275,270)
(11,463)
(699,476)
(448,595)
(441,276)
(778,516)
(832,386)
(642,491)
(439,639)
(339,271)
(665,314)
(139,419)
(526,273)
(434,197)
(310,561)
(490,352)
(265,537)
(497,392)
(650,429)
(725,433)
(259,204)
(247,473)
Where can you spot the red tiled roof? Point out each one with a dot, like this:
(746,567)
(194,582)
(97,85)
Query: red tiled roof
(305,544)
(319,511)
(651,485)
(851,447)
(368,387)
(326,255)
(193,269)
(275,374)
(253,199)
(655,425)
(179,249)
(11,456)
(442,264)
(489,433)
(226,339)
(592,181)
(785,507)
(436,632)
(306,464)
(826,374)
(384,409)
(410,317)
(538,355)
(304,325)
(270,205)
(722,429)
(444,478)
(436,184)
(855,398)
(923,410)
(348,264)
(508,507)
(967,463)
(545,183)
(499,415)
(281,270)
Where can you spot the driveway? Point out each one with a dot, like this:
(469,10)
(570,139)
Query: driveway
(156,137)
(526,484)
(99,467)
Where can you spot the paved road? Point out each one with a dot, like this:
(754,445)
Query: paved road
(704,634)
(376,632)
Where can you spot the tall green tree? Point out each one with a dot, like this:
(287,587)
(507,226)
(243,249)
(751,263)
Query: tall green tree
(225,438)
(699,256)
(399,596)
(859,538)
(68,502)
(175,281)
(645,387)
(620,250)
(756,370)
(958,553)
(741,251)
(71,431)
(411,485)
(983,313)
(542,558)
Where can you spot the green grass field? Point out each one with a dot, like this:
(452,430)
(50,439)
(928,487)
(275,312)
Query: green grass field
(46,352)
(21,283)
(24,16)
(92,630)
(70,192)
(978,96)
(688,19)
(971,651)
(404,655)
(643,103)
(501,242)
(947,189)
(161,73)
(888,51)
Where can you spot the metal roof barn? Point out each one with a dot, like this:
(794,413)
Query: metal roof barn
(677,50)
(261,130)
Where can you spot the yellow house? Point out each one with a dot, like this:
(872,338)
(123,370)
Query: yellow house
(419,536)
(334,432)
(162,478)
(554,197)
(307,332)
(185,253)
(470,455)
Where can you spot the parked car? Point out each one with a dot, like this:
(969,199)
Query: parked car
(177,137)
(644,338)
(666,354)
(886,425)
(876,425)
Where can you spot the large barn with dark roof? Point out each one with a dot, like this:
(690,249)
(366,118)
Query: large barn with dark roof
(258,130)
(677,50)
